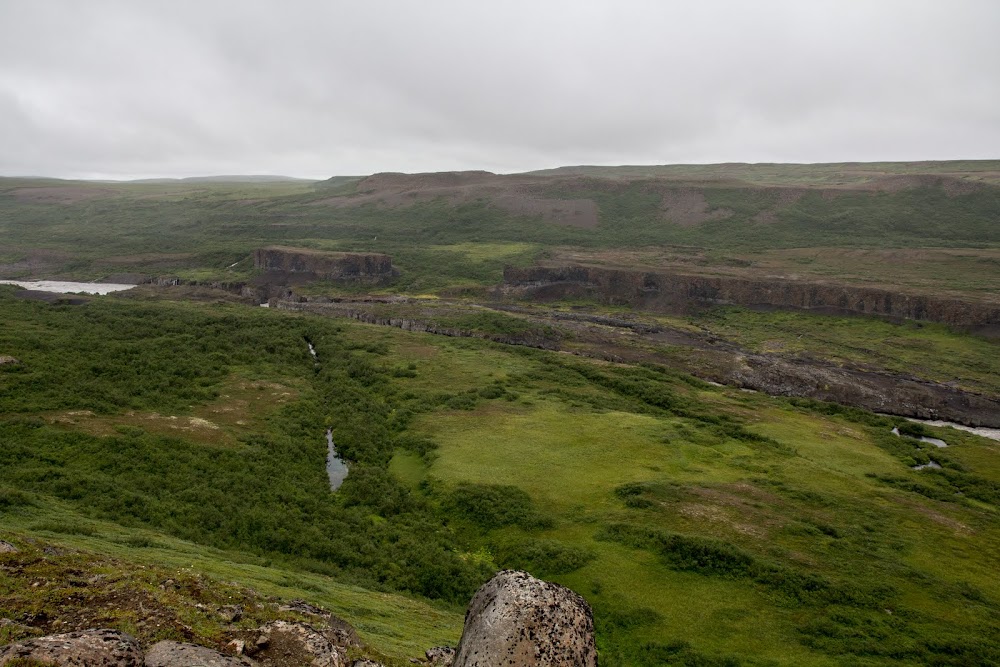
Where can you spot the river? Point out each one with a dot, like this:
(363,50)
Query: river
(991,433)
(62,287)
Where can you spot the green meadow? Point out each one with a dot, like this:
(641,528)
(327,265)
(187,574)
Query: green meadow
(783,535)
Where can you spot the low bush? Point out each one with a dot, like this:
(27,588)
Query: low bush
(490,506)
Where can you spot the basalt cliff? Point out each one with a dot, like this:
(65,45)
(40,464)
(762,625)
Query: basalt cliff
(669,292)
(282,262)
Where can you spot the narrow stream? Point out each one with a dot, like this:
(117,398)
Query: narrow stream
(923,438)
(336,469)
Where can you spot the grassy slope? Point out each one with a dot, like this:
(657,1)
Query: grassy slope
(395,625)
(120,424)
(702,524)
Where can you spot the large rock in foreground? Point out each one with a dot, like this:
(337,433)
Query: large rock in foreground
(89,648)
(515,619)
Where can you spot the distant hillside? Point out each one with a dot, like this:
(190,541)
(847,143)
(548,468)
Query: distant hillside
(835,173)
(235,178)
(938,219)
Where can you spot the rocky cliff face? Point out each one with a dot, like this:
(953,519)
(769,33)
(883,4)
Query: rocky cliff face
(323,265)
(678,293)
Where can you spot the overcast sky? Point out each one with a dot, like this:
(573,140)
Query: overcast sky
(140,88)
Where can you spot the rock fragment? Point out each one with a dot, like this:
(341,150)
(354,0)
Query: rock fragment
(177,654)
(286,643)
(440,656)
(87,648)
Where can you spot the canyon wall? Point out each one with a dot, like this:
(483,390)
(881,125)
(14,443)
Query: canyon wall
(679,293)
(323,265)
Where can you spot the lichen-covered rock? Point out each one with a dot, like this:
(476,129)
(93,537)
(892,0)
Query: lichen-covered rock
(7,359)
(285,643)
(516,619)
(230,613)
(177,654)
(7,547)
(336,629)
(440,656)
(88,648)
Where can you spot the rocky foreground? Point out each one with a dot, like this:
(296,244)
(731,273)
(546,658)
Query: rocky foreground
(514,619)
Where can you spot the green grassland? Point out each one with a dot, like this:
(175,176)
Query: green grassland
(705,525)
(776,535)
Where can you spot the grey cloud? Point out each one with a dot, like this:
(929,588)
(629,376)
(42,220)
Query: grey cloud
(114,88)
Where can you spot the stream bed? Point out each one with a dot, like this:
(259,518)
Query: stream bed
(991,433)
(937,442)
(336,468)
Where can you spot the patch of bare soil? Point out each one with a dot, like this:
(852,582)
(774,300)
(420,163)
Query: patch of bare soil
(520,195)
(219,423)
(393,181)
(148,260)
(687,207)
(951,185)
(783,198)
(33,262)
(572,212)
(59,194)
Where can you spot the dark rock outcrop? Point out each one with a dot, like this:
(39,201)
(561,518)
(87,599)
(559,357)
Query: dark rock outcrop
(323,265)
(680,293)
(177,654)
(89,648)
(515,619)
